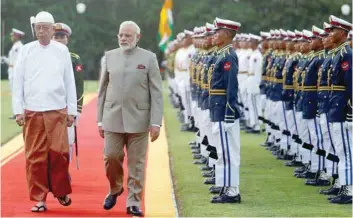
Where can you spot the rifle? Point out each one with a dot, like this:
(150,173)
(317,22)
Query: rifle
(32,21)
(76,148)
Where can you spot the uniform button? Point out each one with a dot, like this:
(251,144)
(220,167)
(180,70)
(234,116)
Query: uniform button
(337,104)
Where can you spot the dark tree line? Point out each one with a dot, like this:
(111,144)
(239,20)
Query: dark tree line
(96,29)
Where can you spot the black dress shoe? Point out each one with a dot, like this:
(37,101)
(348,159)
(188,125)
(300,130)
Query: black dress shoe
(288,157)
(226,199)
(268,144)
(200,161)
(274,148)
(317,182)
(341,199)
(195,151)
(300,170)
(206,168)
(279,152)
(280,157)
(197,156)
(110,200)
(194,146)
(293,163)
(344,196)
(331,191)
(210,181)
(215,189)
(134,211)
(192,143)
(208,174)
(306,175)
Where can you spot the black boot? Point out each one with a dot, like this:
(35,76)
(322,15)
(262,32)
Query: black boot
(293,163)
(334,189)
(344,197)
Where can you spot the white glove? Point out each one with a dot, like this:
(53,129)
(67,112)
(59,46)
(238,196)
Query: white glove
(4,59)
(228,126)
(348,125)
(215,127)
(77,118)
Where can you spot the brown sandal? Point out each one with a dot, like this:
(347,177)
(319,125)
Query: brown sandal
(38,209)
(65,200)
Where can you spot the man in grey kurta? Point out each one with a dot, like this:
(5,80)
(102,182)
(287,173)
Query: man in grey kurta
(130,105)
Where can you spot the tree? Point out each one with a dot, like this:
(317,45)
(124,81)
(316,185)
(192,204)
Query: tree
(96,29)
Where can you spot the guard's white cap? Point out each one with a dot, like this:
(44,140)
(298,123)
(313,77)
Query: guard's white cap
(254,37)
(17,32)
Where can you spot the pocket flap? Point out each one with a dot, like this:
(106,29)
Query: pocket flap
(108,104)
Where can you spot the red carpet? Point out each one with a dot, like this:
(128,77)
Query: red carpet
(89,183)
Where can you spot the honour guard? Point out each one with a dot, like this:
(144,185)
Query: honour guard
(253,82)
(62,34)
(16,37)
(288,99)
(340,106)
(323,100)
(309,96)
(225,114)
(266,52)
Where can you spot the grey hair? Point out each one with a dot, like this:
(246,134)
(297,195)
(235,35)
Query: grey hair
(132,23)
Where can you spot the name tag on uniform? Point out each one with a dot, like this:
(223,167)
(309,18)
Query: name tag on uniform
(141,66)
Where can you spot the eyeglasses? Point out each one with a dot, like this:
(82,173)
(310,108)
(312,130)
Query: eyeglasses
(44,27)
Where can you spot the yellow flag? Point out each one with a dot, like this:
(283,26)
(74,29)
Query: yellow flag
(165,32)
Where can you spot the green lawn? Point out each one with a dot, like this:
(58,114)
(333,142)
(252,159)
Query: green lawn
(9,127)
(268,188)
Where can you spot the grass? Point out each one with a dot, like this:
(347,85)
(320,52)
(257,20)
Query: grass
(9,128)
(268,188)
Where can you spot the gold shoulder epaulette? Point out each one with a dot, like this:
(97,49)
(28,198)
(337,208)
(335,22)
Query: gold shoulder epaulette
(342,49)
(74,55)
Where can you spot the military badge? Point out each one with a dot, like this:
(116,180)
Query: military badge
(79,68)
(58,26)
(345,65)
(226,66)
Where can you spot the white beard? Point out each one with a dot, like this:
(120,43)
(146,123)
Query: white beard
(128,47)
